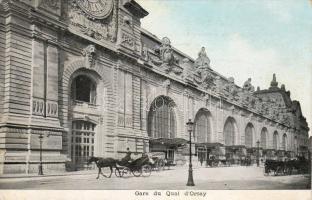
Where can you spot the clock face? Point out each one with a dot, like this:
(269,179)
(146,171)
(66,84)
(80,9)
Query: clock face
(98,9)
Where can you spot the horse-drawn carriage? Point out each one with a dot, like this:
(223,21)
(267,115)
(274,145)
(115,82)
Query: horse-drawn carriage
(123,168)
(157,160)
(217,161)
(138,167)
(300,165)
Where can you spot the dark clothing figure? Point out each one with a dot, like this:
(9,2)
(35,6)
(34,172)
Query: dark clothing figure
(125,160)
(201,160)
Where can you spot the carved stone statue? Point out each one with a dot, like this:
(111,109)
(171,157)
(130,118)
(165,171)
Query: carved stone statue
(202,61)
(283,87)
(218,85)
(274,83)
(248,86)
(166,52)
(203,73)
(167,59)
(231,89)
(243,97)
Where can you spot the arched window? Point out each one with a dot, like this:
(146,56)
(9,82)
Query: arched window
(249,131)
(275,140)
(263,136)
(202,126)
(229,132)
(296,144)
(284,142)
(161,118)
(83,89)
(82,141)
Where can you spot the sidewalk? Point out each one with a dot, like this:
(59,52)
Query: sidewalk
(82,172)
(65,173)
(49,174)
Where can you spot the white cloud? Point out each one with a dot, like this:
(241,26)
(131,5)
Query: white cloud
(242,60)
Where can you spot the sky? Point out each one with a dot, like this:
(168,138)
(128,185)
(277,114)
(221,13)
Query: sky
(243,38)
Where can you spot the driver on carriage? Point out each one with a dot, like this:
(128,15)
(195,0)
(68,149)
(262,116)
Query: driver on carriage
(127,159)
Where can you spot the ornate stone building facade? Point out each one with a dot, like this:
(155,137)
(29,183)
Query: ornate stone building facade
(86,76)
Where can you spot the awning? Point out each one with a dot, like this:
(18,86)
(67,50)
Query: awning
(172,142)
(235,147)
(209,145)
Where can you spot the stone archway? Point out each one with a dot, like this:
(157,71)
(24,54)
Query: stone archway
(230,131)
(249,135)
(284,142)
(263,137)
(275,140)
(90,109)
(67,78)
(203,126)
(162,122)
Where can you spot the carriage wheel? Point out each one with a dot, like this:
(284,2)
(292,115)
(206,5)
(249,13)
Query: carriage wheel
(137,172)
(146,170)
(120,173)
(126,172)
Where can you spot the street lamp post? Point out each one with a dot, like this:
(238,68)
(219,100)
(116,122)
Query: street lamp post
(40,171)
(258,143)
(190,181)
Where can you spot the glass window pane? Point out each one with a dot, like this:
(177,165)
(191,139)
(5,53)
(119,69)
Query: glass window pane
(161,120)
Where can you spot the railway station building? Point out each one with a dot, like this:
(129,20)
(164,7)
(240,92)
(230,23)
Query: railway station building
(83,78)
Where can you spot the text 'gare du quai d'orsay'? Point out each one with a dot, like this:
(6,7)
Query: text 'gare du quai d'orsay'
(88,79)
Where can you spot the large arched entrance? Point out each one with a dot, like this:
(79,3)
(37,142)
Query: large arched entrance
(275,140)
(162,119)
(83,115)
(249,135)
(263,138)
(203,132)
(203,126)
(284,142)
(229,131)
(296,145)
(162,126)
(229,134)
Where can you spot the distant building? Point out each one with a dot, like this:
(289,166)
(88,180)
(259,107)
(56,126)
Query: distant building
(93,82)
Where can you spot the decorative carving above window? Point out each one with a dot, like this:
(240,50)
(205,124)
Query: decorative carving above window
(90,55)
(94,18)
(54,4)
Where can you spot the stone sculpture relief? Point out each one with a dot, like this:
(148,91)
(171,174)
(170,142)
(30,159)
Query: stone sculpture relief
(166,58)
(100,29)
(90,55)
(248,86)
(53,4)
(203,73)
(231,90)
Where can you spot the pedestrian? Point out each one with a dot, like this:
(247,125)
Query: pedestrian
(201,160)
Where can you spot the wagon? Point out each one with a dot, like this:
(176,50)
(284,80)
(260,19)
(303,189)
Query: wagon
(138,167)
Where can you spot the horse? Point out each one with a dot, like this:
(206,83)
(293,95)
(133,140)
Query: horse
(275,166)
(104,162)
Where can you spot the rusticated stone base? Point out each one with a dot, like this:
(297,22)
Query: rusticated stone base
(23,168)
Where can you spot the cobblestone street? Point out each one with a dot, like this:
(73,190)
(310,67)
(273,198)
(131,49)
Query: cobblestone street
(175,179)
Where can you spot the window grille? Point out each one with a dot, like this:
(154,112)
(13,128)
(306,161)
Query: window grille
(162,120)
